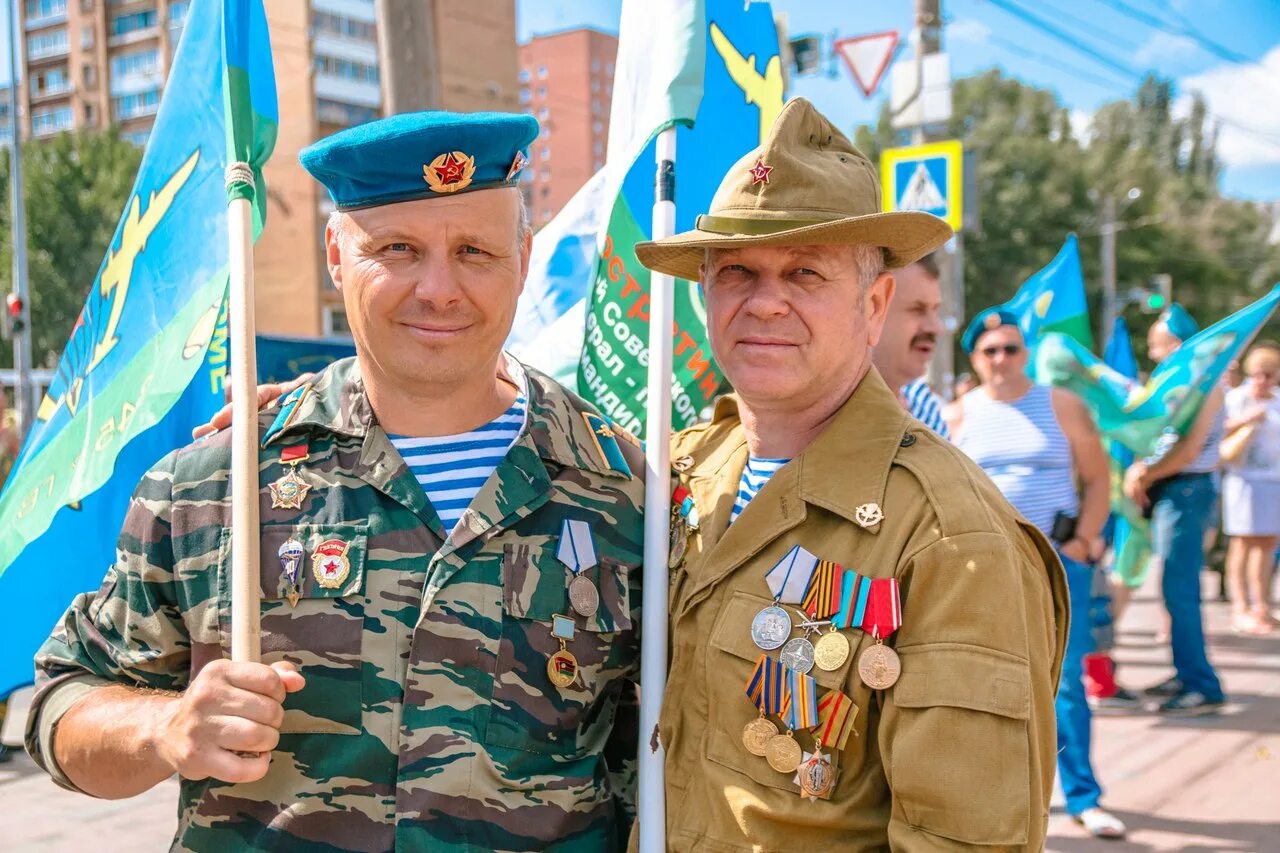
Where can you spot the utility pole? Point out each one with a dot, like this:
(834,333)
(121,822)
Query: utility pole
(1107,231)
(408,61)
(941,373)
(22,321)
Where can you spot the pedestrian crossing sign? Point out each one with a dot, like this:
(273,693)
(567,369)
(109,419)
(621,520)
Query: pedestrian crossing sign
(925,177)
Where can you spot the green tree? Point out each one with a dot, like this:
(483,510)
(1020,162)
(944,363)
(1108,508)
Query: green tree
(76,186)
(1036,182)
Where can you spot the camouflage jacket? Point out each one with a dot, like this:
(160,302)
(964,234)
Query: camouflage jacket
(428,720)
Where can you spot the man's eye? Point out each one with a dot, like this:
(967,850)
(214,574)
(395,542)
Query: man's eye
(397,247)
(472,250)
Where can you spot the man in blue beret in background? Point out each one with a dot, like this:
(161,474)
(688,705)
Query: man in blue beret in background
(1176,486)
(451,549)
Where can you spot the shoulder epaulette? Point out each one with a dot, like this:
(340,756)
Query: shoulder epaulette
(606,442)
(290,405)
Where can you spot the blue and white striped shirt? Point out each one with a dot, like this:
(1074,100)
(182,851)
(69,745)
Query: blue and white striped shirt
(925,406)
(754,476)
(1024,451)
(452,468)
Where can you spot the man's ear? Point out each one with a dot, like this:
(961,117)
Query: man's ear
(875,304)
(333,255)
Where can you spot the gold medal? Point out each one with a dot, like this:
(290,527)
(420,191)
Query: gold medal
(756,735)
(831,651)
(783,753)
(562,667)
(879,667)
(583,596)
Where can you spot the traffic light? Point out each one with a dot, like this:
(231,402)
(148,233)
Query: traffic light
(1160,293)
(15,321)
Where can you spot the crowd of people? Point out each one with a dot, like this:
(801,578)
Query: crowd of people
(1040,446)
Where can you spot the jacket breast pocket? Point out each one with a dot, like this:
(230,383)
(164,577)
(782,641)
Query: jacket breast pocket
(961,727)
(528,711)
(321,630)
(730,662)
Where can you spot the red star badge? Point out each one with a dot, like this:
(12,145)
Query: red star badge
(450,171)
(760,173)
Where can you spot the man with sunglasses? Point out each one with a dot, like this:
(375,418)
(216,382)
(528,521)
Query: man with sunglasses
(1035,442)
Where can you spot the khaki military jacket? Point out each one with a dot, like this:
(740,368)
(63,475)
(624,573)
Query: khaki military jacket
(428,720)
(960,752)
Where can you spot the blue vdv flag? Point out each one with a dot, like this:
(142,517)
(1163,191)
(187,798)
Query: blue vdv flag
(147,359)
(1053,299)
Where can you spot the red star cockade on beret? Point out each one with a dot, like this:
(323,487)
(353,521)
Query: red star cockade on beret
(450,171)
(760,173)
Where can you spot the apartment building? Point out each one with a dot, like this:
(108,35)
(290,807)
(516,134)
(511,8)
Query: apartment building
(566,82)
(92,63)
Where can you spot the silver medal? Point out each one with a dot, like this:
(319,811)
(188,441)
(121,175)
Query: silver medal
(771,627)
(798,654)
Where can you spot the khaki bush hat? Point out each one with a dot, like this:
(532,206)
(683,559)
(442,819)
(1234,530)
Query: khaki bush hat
(805,185)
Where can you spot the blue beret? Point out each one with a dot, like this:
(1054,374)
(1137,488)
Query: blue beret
(420,155)
(985,321)
(1179,322)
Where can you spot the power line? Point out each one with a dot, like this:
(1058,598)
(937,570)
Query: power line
(1091,28)
(1182,29)
(1066,38)
(1053,62)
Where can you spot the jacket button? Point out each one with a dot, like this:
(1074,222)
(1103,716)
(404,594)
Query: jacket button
(907,440)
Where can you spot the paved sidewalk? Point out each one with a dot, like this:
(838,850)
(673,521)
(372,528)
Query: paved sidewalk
(1195,785)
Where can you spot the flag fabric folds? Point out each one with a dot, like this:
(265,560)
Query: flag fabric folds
(729,59)
(1053,299)
(147,358)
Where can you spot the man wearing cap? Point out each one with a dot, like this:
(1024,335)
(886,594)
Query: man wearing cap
(1177,487)
(450,559)
(909,337)
(866,637)
(1036,443)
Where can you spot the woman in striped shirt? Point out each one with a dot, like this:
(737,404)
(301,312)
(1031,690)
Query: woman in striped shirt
(1034,442)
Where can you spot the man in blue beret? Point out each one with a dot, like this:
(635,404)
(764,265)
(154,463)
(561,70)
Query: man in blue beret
(451,548)
(1036,443)
(1176,486)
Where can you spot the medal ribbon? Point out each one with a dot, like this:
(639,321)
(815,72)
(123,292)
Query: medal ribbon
(682,504)
(790,577)
(294,453)
(822,598)
(803,713)
(855,591)
(767,687)
(836,713)
(883,613)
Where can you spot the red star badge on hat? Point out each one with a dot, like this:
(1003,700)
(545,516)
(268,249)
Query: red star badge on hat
(760,173)
(450,171)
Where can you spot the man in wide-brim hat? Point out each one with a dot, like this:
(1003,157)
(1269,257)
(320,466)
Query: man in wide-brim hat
(910,703)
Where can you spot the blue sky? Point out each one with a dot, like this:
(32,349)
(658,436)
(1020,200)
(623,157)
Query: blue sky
(1243,92)
(981,34)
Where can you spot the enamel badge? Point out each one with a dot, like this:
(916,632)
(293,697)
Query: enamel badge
(290,554)
(329,563)
(450,172)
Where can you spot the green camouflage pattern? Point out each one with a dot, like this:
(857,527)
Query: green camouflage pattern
(428,721)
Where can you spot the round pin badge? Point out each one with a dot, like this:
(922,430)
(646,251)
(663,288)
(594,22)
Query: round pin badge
(562,668)
(770,628)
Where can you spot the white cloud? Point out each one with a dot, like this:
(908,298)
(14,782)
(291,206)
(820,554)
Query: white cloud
(1165,49)
(968,30)
(1080,121)
(1244,98)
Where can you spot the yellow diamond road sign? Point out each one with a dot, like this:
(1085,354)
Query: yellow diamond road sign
(925,177)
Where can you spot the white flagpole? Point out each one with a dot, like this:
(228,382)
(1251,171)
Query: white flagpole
(657,508)
(246,590)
